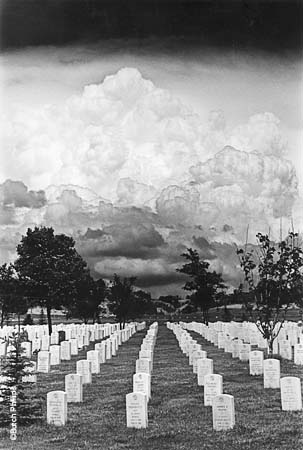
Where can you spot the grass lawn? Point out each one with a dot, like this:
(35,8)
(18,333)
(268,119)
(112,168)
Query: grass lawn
(177,418)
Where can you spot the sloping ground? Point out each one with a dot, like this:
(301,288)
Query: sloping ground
(177,418)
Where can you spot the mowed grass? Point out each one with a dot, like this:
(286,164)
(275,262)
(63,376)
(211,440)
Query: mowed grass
(177,417)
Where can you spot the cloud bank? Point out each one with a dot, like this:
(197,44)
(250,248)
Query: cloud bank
(136,177)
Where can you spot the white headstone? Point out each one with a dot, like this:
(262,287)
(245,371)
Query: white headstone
(83,368)
(43,361)
(223,412)
(73,387)
(45,342)
(271,370)
(94,358)
(74,347)
(213,385)
(143,365)
(256,362)
(57,408)
(65,351)
(204,367)
(141,383)
(136,410)
(298,356)
(291,397)
(244,350)
(55,355)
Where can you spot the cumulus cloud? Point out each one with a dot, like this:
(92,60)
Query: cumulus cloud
(136,178)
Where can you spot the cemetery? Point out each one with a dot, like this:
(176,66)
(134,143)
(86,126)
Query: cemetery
(172,385)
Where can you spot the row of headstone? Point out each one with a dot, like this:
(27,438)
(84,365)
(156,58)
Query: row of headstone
(288,343)
(57,401)
(290,387)
(223,409)
(137,401)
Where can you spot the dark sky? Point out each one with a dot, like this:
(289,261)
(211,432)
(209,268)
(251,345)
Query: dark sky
(272,25)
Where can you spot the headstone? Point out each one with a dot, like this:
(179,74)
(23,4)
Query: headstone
(83,368)
(73,387)
(56,408)
(43,361)
(136,410)
(3,347)
(256,362)
(143,365)
(204,367)
(197,354)
(55,358)
(54,338)
(223,412)
(74,347)
(213,385)
(45,342)
(298,355)
(93,357)
(291,397)
(65,351)
(141,383)
(244,350)
(285,350)
(271,370)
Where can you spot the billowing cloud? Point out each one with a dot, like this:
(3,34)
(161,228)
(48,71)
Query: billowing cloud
(136,178)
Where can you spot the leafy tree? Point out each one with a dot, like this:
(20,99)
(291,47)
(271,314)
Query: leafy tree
(121,297)
(142,304)
(273,281)
(50,267)
(90,294)
(28,407)
(11,293)
(204,285)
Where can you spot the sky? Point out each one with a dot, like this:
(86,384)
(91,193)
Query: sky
(145,128)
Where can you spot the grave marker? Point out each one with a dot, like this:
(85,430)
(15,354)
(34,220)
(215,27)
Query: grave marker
(74,388)
(56,408)
(223,412)
(213,385)
(136,410)
(291,397)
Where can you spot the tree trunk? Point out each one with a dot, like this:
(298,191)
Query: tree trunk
(2,318)
(49,318)
(270,344)
(19,323)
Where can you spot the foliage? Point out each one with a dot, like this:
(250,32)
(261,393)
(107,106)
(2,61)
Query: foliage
(204,285)
(90,295)
(28,320)
(50,267)
(125,302)
(28,408)
(10,292)
(273,281)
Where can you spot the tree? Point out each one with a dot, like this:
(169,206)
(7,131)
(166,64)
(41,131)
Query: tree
(204,285)
(28,408)
(90,294)
(121,297)
(50,267)
(273,281)
(142,304)
(11,287)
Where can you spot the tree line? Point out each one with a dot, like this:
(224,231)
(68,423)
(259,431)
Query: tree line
(50,273)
